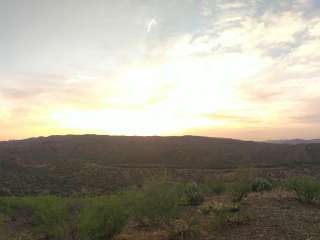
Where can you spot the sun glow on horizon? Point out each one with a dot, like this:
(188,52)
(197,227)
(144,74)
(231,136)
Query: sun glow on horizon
(127,122)
(167,98)
(245,70)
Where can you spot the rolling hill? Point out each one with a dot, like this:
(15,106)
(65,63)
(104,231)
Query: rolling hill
(86,163)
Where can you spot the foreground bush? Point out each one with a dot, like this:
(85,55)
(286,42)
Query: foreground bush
(261,184)
(306,188)
(102,218)
(242,184)
(215,187)
(158,202)
(48,214)
(219,213)
(239,190)
(193,194)
(214,207)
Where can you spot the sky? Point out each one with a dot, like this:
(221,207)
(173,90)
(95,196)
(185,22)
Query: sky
(246,69)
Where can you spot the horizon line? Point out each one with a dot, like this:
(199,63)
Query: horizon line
(163,136)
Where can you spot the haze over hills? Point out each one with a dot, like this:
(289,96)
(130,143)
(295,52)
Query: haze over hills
(295,141)
(63,164)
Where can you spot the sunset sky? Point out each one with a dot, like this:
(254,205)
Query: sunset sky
(243,69)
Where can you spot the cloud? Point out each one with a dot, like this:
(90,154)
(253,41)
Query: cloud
(234,117)
(314,31)
(307,119)
(151,24)
(198,64)
(290,41)
(232,5)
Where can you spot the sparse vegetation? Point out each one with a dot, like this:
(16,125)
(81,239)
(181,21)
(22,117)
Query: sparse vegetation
(184,230)
(97,201)
(242,184)
(261,184)
(48,214)
(239,190)
(193,194)
(239,218)
(97,165)
(157,203)
(215,187)
(94,218)
(213,207)
(2,219)
(102,217)
(306,188)
(219,213)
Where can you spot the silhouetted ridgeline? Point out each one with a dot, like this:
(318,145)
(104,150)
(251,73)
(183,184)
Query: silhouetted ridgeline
(180,152)
(83,163)
(295,141)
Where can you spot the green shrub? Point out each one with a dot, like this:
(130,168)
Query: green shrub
(261,184)
(213,207)
(219,213)
(306,188)
(193,194)
(215,187)
(2,220)
(242,183)
(238,190)
(6,205)
(220,217)
(158,202)
(102,217)
(49,214)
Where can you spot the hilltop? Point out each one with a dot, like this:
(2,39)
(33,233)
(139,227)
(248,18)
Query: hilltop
(94,163)
(154,151)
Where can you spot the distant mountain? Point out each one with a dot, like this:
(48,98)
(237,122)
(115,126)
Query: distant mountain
(295,141)
(153,151)
(93,163)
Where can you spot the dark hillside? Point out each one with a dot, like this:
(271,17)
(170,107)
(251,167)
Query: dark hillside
(180,152)
(66,164)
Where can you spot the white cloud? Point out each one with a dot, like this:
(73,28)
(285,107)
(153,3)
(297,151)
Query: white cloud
(314,30)
(281,28)
(270,29)
(151,24)
(232,5)
(281,86)
(226,59)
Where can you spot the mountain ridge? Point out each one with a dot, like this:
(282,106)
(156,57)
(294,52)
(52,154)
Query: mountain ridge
(126,149)
(97,163)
